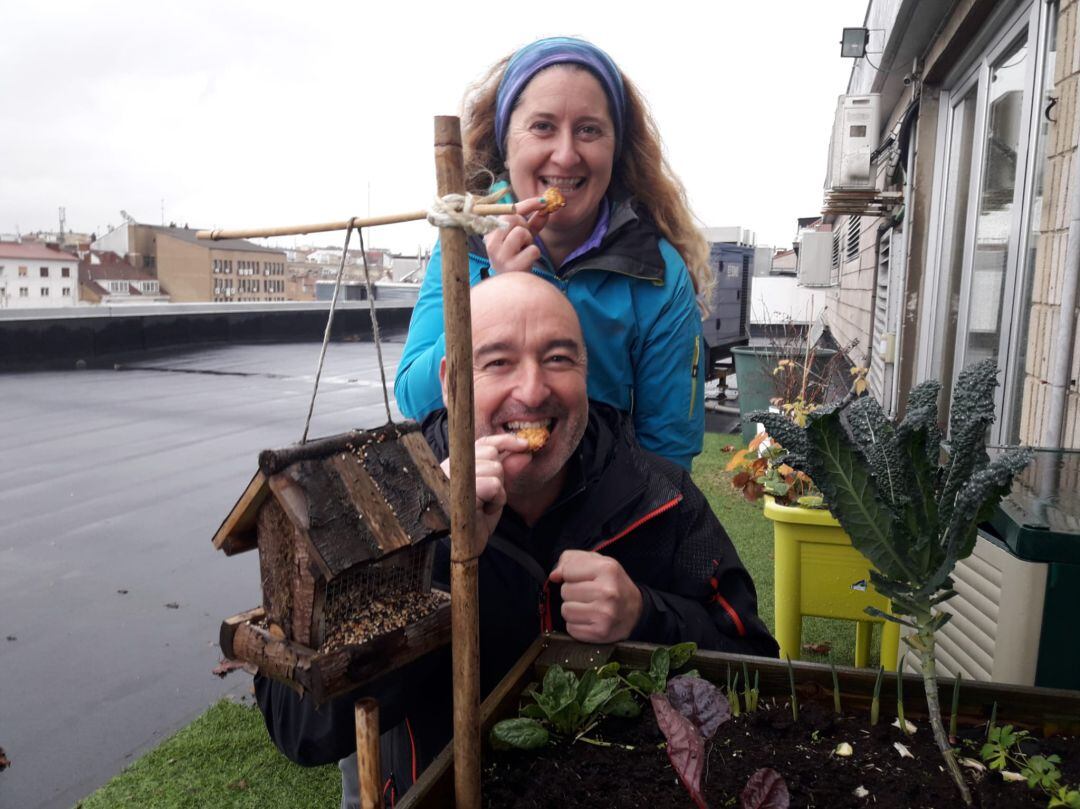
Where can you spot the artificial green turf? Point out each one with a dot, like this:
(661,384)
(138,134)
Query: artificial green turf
(225,759)
(222,759)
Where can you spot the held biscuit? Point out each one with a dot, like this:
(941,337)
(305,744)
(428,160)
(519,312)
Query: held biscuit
(553,200)
(535,436)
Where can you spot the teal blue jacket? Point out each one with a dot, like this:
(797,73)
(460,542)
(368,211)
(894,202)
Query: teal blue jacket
(642,329)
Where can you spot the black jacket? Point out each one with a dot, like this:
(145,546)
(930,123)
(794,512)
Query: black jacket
(618,500)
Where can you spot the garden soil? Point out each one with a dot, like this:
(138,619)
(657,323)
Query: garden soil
(587,775)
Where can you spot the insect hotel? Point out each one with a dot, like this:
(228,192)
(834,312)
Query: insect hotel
(345,528)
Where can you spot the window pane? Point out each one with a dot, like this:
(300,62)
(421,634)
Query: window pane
(962,136)
(1046,86)
(1001,162)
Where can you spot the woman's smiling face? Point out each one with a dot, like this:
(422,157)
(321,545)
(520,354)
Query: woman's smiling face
(561,134)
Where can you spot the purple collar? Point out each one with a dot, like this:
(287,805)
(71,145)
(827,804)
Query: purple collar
(598,233)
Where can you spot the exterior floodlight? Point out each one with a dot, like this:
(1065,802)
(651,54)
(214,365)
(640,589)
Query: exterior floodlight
(853,43)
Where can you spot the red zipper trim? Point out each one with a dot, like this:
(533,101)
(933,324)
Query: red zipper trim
(545,597)
(412,747)
(723,602)
(670,504)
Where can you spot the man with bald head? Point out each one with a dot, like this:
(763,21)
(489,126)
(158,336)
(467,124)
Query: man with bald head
(589,534)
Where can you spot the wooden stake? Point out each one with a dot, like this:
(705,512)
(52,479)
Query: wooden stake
(367,753)
(465,640)
(357,222)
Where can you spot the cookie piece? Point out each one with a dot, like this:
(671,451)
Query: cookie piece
(536,436)
(553,200)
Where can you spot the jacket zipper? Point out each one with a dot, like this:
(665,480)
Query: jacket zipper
(693,376)
(545,593)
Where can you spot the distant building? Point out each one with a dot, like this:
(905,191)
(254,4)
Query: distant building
(784,262)
(106,278)
(191,270)
(35,276)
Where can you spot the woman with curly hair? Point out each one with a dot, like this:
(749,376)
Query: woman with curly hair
(558,118)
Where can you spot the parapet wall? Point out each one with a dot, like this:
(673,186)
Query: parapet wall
(44,339)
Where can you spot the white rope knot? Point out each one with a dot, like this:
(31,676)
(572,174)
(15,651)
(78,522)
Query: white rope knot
(455,211)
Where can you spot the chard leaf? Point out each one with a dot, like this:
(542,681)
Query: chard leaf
(533,711)
(608,670)
(599,694)
(680,654)
(521,733)
(699,701)
(642,682)
(765,789)
(685,747)
(560,688)
(659,666)
(622,704)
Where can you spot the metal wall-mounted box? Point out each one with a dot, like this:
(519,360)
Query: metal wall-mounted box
(856,134)
(815,259)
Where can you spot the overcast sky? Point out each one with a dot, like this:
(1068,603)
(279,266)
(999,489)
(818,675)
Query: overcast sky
(240,114)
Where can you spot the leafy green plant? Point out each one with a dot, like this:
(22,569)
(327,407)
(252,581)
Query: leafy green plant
(663,661)
(569,706)
(912,516)
(1004,748)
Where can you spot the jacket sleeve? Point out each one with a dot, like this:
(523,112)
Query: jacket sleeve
(710,598)
(669,372)
(416,384)
(312,735)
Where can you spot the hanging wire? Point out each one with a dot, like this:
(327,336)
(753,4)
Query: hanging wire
(326,334)
(374,325)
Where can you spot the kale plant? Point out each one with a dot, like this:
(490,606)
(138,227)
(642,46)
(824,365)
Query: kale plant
(910,509)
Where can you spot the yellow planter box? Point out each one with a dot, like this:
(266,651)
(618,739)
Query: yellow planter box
(818,572)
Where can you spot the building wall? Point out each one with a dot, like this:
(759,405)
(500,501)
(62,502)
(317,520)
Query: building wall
(1050,268)
(850,304)
(183,270)
(40,293)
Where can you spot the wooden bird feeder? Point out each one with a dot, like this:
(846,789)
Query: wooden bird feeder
(345,528)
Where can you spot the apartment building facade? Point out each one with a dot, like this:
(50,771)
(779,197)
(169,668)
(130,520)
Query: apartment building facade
(192,270)
(36,276)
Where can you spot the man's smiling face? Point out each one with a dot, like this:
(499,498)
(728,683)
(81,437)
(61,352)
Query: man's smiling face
(529,370)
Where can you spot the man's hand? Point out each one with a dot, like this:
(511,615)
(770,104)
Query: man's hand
(512,249)
(600,602)
(491,450)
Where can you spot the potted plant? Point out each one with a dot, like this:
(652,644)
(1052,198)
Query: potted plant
(910,508)
(816,570)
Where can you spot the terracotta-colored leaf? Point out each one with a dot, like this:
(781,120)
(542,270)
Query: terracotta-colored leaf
(727,448)
(818,648)
(765,790)
(755,442)
(4,762)
(685,747)
(737,460)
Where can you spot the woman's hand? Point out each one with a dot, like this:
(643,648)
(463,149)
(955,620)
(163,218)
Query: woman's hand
(513,249)
(491,451)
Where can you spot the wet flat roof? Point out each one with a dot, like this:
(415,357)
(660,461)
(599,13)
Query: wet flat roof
(112,483)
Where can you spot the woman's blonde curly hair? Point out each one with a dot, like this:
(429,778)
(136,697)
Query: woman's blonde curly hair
(640,168)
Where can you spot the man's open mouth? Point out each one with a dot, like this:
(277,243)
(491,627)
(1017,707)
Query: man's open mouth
(535,432)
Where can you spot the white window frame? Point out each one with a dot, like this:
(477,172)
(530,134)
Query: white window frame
(1001,33)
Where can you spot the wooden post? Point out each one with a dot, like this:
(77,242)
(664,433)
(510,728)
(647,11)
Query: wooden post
(465,640)
(367,753)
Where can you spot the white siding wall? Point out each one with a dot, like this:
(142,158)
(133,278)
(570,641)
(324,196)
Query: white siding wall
(41,293)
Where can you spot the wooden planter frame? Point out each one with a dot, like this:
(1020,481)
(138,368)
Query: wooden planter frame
(1045,710)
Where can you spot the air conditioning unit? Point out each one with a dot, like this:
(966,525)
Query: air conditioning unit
(855,137)
(815,259)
